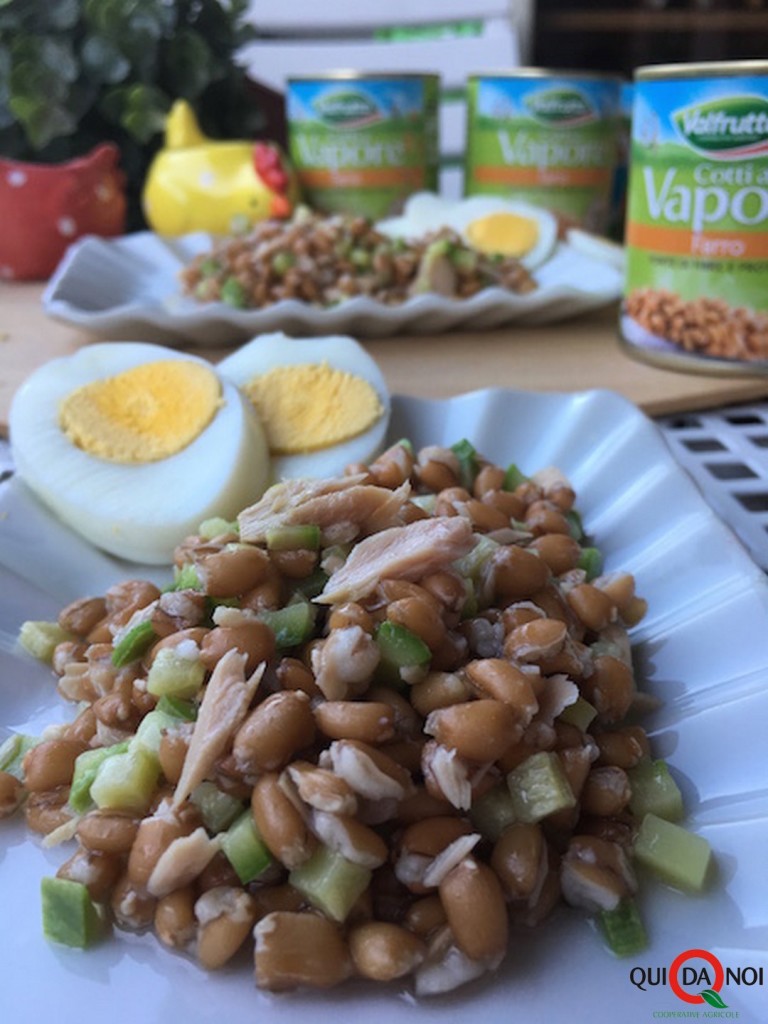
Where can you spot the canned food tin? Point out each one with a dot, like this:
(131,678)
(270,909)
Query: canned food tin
(549,137)
(696,295)
(363,143)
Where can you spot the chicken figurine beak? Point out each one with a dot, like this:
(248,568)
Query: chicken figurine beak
(196,183)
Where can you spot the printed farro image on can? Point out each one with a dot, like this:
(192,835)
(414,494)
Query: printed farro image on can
(362,143)
(696,292)
(547,137)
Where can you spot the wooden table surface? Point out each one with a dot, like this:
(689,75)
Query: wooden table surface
(572,356)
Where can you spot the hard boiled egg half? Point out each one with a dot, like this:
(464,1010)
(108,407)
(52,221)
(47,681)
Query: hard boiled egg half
(323,401)
(490,224)
(133,445)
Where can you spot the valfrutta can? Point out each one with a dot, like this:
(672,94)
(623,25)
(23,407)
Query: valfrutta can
(548,137)
(362,143)
(696,295)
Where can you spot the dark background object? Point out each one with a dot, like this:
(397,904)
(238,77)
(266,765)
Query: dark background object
(611,35)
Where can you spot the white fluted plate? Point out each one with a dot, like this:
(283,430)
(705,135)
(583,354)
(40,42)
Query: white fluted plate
(702,649)
(128,287)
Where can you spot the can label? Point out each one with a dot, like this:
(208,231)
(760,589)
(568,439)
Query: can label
(697,222)
(549,140)
(363,145)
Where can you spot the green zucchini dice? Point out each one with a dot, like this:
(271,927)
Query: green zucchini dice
(69,915)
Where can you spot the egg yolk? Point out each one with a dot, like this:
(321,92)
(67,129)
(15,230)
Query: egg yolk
(507,233)
(144,414)
(309,406)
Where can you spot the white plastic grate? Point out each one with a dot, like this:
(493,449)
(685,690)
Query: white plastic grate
(726,452)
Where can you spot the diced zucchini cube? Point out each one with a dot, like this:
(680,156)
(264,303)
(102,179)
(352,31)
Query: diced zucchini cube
(493,811)
(184,710)
(218,809)
(172,674)
(330,882)
(245,849)
(539,787)
(654,791)
(623,929)
(471,565)
(400,647)
(292,625)
(581,714)
(134,644)
(293,538)
(676,855)
(217,526)
(153,725)
(69,915)
(127,781)
(86,768)
(12,753)
(40,639)
(465,452)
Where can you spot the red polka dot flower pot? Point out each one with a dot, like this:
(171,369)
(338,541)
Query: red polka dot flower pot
(45,207)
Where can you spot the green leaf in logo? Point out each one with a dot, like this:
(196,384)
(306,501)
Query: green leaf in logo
(713,998)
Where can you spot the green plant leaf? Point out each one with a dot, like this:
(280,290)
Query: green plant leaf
(63,14)
(107,17)
(42,121)
(42,67)
(104,61)
(145,112)
(189,64)
(713,998)
(57,56)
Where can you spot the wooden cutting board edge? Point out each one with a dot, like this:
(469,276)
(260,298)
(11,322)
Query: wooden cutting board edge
(573,356)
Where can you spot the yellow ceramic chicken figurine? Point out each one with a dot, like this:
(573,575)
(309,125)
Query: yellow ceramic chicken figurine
(200,184)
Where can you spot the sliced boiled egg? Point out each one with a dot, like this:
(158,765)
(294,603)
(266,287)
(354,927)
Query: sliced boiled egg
(490,224)
(323,401)
(597,247)
(133,445)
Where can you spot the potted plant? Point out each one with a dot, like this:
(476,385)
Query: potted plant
(81,77)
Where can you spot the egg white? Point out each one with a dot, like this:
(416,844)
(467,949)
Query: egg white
(597,247)
(269,351)
(422,212)
(136,512)
(477,207)
(425,212)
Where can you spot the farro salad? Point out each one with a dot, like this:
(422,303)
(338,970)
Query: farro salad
(325,259)
(365,728)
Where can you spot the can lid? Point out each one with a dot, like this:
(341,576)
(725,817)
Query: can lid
(349,74)
(532,72)
(703,69)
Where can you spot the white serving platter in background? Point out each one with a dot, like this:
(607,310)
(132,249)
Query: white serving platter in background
(702,649)
(128,287)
